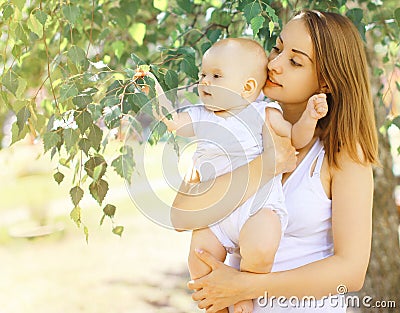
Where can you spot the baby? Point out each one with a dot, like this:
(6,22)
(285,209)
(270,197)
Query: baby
(230,129)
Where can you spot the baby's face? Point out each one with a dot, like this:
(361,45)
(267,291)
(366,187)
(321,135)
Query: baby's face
(223,77)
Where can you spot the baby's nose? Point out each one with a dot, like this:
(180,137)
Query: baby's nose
(205,82)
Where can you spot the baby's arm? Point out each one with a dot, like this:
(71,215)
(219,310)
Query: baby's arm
(180,122)
(303,130)
(279,125)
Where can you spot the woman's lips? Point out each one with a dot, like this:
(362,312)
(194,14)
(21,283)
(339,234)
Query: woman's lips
(270,83)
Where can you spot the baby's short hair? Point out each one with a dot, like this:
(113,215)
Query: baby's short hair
(247,45)
(253,51)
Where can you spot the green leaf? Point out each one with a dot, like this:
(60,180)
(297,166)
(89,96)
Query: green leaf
(161,5)
(205,46)
(109,210)
(397,16)
(76,194)
(213,35)
(83,120)
(95,136)
(35,26)
(10,81)
(98,172)
(271,27)
(355,15)
(139,99)
(21,34)
(118,17)
(8,11)
(20,93)
(76,215)
(86,232)
(71,13)
(118,230)
(84,144)
(41,17)
(137,61)
(67,91)
(102,219)
(189,67)
(256,24)
(98,190)
(252,10)
(171,79)
(77,55)
(58,177)
(396,121)
(71,138)
(50,140)
(137,32)
(112,116)
(19,4)
(22,117)
(94,162)
(222,18)
(186,5)
(124,165)
(271,13)
(118,47)
(16,135)
(82,100)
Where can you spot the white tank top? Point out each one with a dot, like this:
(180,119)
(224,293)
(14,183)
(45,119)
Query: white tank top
(308,236)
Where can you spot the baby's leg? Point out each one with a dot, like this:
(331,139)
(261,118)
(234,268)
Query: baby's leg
(258,240)
(204,239)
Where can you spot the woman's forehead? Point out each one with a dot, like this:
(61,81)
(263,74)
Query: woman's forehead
(295,35)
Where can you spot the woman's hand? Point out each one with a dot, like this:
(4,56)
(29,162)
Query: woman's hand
(219,289)
(285,153)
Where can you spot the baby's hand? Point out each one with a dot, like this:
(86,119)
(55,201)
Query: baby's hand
(317,106)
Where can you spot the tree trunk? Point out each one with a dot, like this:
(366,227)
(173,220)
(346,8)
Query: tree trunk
(383,276)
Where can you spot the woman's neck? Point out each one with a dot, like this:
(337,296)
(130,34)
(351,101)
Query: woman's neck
(293,112)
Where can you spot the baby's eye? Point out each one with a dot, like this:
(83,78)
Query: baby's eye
(202,75)
(216,76)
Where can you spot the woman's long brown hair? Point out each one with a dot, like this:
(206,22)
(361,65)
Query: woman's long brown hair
(342,65)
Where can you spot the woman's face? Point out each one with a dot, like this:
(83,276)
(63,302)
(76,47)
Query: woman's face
(292,76)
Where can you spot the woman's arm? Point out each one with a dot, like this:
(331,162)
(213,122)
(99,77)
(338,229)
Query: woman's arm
(352,191)
(200,205)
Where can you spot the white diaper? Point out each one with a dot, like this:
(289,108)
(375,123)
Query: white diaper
(269,196)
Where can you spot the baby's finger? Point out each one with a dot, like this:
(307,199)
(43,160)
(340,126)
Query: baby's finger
(320,95)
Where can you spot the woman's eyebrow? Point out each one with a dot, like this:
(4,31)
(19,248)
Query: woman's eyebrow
(303,53)
(297,51)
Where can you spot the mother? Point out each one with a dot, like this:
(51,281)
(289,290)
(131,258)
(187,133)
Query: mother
(329,194)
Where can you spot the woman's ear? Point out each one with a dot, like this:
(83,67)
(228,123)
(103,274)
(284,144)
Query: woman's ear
(324,88)
(249,87)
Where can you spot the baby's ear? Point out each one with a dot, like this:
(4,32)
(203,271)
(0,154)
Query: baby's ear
(249,87)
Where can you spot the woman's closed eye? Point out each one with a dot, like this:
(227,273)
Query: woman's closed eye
(276,49)
(293,62)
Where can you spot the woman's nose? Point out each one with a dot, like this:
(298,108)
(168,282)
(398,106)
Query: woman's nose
(275,64)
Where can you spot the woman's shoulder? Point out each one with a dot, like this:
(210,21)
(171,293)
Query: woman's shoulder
(348,161)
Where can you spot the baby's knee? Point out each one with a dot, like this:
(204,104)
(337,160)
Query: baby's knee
(257,257)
